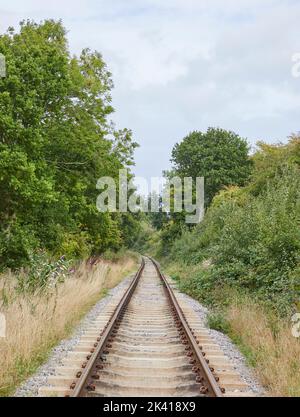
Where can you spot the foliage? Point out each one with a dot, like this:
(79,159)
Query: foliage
(250,236)
(217,321)
(220,156)
(121,256)
(43,274)
(159,218)
(56,140)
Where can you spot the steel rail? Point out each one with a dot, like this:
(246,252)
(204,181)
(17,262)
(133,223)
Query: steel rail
(84,382)
(90,369)
(201,367)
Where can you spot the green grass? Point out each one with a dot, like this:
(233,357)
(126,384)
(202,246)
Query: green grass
(217,321)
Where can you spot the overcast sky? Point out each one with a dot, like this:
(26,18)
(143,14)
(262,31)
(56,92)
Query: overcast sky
(183,65)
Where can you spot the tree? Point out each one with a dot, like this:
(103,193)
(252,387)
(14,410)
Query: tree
(220,156)
(56,140)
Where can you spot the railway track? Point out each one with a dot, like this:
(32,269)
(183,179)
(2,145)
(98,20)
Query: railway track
(146,343)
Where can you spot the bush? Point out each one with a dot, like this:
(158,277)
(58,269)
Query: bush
(17,242)
(42,274)
(121,255)
(251,236)
(75,245)
(218,321)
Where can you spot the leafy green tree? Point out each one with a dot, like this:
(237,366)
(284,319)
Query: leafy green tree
(220,156)
(56,140)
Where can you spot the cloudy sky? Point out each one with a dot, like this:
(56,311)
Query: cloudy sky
(181,65)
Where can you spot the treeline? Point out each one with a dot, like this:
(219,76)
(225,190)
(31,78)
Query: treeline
(220,156)
(56,140)
(249,239)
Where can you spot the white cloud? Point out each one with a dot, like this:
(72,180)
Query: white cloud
(180,65)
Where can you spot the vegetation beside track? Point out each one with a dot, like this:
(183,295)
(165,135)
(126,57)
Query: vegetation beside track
(38,318)
(56,140)
(243,261)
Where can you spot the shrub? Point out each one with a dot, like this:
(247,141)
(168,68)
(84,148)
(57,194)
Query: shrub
(251,235)
(42,274)
(218,321)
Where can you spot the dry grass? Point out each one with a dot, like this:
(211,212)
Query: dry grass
(269,344)
(265,339)
(36,322)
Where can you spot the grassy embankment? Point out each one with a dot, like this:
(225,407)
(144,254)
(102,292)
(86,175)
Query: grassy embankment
(243,261)
(37,320)
(263,336)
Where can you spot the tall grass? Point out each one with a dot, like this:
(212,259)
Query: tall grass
(269,342)
(37,321)
(263,336)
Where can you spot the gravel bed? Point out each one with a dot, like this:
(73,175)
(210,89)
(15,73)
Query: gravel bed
(229,349)
(30,387)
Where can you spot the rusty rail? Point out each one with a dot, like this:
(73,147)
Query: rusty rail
(84,383)
(94,363)
(204,373)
